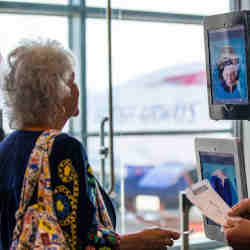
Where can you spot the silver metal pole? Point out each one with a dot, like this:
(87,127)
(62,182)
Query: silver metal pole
(111,144)
(103,150)
(184,208)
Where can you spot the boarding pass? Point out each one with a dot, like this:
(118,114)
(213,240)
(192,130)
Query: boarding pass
(203,196)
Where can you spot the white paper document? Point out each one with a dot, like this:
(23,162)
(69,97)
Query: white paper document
(203,196)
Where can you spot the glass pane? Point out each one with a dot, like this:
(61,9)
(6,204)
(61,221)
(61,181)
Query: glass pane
(64,2)
(178,6)
(23,27)
(152,170)
(159,81)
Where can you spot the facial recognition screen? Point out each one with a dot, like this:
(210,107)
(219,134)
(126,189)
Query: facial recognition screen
(219,169)
(228,65)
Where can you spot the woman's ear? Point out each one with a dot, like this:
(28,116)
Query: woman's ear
(75,97)
(72,78)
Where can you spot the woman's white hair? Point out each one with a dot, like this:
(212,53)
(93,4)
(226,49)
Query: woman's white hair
(36,82)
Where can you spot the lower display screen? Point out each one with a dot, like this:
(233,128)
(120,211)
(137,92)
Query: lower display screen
(219,169)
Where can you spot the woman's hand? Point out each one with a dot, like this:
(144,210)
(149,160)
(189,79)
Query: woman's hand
(237,231)
(156,238)
(148,239)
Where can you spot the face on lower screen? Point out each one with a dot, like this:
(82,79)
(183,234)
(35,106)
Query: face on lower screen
(219,170)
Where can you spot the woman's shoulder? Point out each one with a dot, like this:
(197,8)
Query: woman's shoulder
(8,140)
(67,151)
(64,138)
(67,144)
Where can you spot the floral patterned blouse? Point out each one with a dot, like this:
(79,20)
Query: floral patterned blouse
(74,190)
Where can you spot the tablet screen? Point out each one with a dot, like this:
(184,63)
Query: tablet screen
(228,65)
(219,169)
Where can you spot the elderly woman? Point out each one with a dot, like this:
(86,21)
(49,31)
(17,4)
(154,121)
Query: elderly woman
(229,69)
(41,94)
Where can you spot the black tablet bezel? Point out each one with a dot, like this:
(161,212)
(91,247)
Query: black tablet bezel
(227,111)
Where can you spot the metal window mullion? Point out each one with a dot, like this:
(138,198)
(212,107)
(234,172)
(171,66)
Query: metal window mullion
(162,133)
(39,9)
(235,5)
(83,100)
(144,16)
(91,12)
(77,42)
(71,42)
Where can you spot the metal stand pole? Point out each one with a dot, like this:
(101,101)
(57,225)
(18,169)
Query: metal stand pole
(185,206)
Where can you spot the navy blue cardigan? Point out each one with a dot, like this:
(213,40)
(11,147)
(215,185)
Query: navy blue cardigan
(67,152)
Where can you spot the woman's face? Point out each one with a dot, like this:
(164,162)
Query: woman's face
(69,106)
(230,75)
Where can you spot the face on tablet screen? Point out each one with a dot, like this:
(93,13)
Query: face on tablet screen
(219,169)
(228,65)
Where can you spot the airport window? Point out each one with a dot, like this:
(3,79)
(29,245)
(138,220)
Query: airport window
(178,6)
(160,95)
(24,27)
(170,77)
